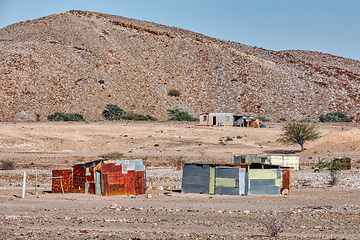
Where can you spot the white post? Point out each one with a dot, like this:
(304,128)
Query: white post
(24,182)
(36,192)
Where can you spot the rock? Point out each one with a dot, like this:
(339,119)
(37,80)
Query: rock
(113,206)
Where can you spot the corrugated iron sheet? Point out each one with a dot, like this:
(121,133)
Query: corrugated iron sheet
(264,181)
(79,179)
(65,181)
(196,178)
(227,180)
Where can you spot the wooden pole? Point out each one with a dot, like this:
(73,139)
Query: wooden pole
(24,182)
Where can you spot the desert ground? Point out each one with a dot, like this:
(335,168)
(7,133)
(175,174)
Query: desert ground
(313,210)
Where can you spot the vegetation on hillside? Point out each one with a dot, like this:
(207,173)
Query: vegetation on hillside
(114,112)
(335,117)
(178,114)
(60,116)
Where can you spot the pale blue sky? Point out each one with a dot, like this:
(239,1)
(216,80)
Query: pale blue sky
(330,26)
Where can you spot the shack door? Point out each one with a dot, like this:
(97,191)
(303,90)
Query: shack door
(242,176)
(98,182)
(214,121)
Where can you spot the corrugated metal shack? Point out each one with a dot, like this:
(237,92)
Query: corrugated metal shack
(291,161)
(235,179)
(216,119)
(102,177)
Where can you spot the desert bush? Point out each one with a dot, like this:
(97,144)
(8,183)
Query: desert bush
(335,117)
(262,118)
(305,120)
(174,93)
(334,166)
(113,112)
(274,224)
(137,117)
(178,114)
(60,116)
(7,165)
(228,139)
(37,117)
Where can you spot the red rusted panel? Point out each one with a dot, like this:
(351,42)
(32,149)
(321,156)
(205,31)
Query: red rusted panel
(91,188)
(116,179)
(104,185)
(79,170)
(286,180)
(79,179)
(116,189)
(111,168)
(130,183)
(140,182)
(90,177)
(66,181)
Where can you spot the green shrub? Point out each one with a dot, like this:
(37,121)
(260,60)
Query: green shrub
(305,120)
(60,116)
(174,93)
(137,117)
(178,114)
(335,117)
(113,112)
(262,118)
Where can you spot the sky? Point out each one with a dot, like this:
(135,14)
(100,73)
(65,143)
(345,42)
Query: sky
(329,26)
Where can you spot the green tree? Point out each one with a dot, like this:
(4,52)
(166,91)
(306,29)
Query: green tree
(113,112)
(179,114)
(299,133)
(335,117)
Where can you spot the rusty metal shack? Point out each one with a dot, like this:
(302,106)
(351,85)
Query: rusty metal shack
(102,177)
(236,179)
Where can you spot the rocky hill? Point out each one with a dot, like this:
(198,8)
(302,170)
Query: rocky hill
(80,61)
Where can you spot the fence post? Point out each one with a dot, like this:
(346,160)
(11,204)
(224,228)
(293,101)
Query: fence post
(24,183)
(36,192)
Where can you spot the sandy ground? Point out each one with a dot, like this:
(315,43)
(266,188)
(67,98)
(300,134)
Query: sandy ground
(313,210)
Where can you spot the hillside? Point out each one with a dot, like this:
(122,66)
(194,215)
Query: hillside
(80,61)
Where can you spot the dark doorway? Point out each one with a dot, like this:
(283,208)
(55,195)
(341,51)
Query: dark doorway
(214,120)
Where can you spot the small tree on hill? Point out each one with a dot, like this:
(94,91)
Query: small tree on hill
(113,112)
(179,114)
(299,133)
